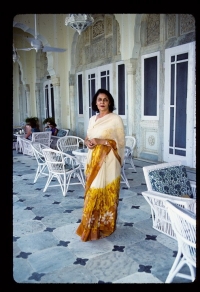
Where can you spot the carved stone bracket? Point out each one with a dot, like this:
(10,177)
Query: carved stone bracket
(37,87)
(71,79)
(55,80)
(131,67)
(27,87)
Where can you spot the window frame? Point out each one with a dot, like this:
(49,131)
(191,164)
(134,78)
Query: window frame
(78,98)
(143,57)
(117,91)
(47,85)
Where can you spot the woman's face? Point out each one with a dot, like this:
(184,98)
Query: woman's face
(102,102)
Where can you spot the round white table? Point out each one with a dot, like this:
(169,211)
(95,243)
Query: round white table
(18,144)
(81,156)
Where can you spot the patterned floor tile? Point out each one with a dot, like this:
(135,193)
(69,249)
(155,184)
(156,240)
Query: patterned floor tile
(46,248)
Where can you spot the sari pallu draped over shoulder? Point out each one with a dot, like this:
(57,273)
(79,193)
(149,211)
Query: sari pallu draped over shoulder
(103,172)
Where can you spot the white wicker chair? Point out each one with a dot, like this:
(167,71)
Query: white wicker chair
(40,137)
(25,145)
(184,225)
(157,199)
(130,143)
(62,166)
(123,175)
(54,139)
(67,144)
(42,169)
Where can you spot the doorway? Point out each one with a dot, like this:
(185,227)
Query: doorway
(179,114)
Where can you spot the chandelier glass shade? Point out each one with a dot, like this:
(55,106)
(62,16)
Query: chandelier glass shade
(79,22)
(15,56)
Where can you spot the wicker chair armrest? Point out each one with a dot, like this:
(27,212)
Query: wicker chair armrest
(188,203)
(193,186)
(26,140)
(55,137)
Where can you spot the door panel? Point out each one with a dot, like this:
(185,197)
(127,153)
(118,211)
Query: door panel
(179,104)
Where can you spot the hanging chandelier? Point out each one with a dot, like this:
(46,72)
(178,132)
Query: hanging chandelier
(79,22)
(15,55)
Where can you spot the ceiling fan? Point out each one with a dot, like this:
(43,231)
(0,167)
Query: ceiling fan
(37,44)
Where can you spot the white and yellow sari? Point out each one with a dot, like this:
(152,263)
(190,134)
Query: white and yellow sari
(103,173)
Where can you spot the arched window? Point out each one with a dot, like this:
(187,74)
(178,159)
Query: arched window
(49,99)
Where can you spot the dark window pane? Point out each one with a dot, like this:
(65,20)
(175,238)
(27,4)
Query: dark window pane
(47,101)
(52,102)
(103,73)
(181,102)
(182,57)
(150,86)
(172,84)
(93,90)
(171,133)
(121,89)
(80,94)
(172,58)
(180,152)
(103,82)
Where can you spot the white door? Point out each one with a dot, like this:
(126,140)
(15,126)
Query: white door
(179,109)
(96,78)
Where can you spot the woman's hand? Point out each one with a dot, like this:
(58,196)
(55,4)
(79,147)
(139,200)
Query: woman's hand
(95,141)
(90,144)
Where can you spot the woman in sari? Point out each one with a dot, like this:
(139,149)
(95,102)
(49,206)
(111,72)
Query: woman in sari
(105,141)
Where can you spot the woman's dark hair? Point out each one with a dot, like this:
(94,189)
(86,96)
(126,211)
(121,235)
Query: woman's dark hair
(111,100)
(33,123)
(52,124)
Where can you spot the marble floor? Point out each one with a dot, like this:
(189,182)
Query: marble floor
(47,250)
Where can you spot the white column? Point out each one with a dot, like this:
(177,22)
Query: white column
(73,118)
(38,104)
(20,112)
(28,106)
(57,99)
(131,71)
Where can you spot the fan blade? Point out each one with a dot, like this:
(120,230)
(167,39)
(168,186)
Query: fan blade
(25,49)
(52,49)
